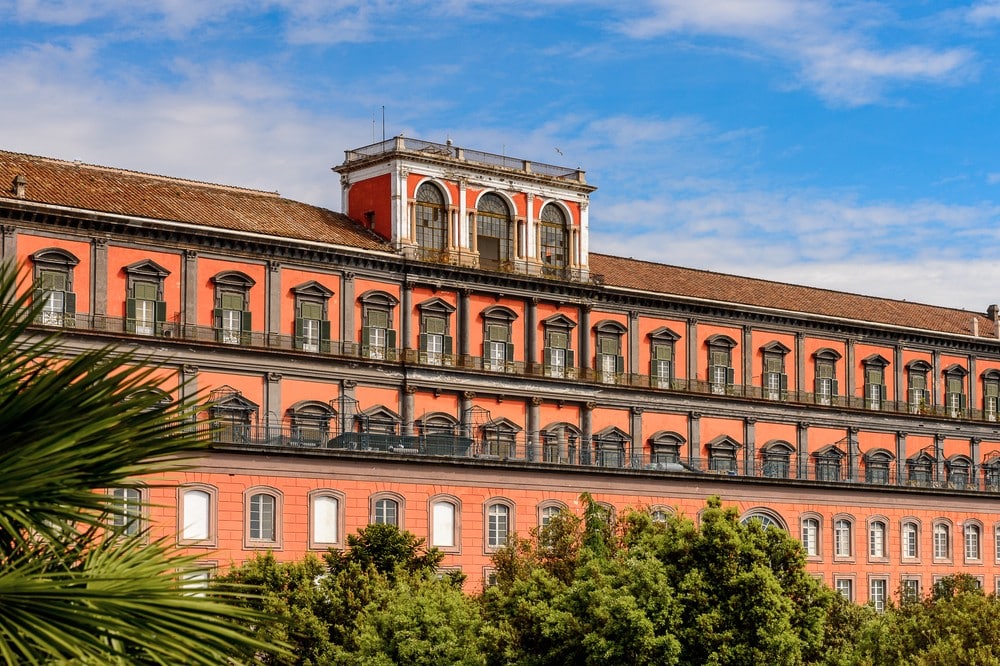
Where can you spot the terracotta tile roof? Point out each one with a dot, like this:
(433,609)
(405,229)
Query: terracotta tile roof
(137,194)
(687,282)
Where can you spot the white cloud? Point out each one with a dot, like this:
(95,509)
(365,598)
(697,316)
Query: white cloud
(984,12)
(831,46)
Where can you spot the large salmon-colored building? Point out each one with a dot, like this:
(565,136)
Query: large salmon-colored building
(449,355)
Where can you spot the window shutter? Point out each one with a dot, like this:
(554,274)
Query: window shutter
(961,401)
(730,376)
(882,391)
(619,364)
(245,322)
(69,309)
(37,296)
(816,385)
(299,332)
(324,334)
(422,342)
(160,311)
(569,358)
(991,389)
(366,340)
(510,352)
(390,339)
(217,313)
(130,315)
(834,388)
(447,344)
(662,352)
(784,382)
(547,356)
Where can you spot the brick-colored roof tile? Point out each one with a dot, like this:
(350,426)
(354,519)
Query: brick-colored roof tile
(117,191)
(691,283)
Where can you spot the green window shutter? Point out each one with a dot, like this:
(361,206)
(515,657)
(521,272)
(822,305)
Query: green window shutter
(662,352)
(784,382)
(366,339)
(324,335)
(547,356)
(498,333)
(130,315)
(300,326)
(510,352)
(245,322)
(961,401)
(619,364)
(882,391)
(435,325)
(377,319)
(773,365)
(422,342)
(69,309)
(730,376)
(558,340)
(145,291)
(309,310)
(217,313)
(834,388)
(390,339)
(570,360)
(447,344)
(160,311)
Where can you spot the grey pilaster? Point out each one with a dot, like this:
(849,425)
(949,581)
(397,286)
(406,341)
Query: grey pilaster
(465,408)
(531,333)
(692,350)
(800,363)
(272,399)
(900,458)
(406,317)
(936,395)
(407,409)
(99,278)
(633,342)
(974,453)
(585,361)
(747,355)
(9,246)
(939,457)
(972,401)
(853,453)
(802,434)
(899,392)
(348,405)
(635,455)
(273,309)
(534,425)
(347,334)
(851,389)
(587,432)
(189,278)
(749,445)
(694,438)
(464,322)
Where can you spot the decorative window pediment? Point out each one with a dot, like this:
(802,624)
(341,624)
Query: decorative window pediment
(436,306)
(720,340)
(775,347)
(235,279)
(876,360)
(663,334)
(312,289)
(147,268)
(502,425)
(919,366)
(559,320)
(378,297)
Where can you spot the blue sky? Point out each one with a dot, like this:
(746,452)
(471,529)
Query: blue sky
(846,145)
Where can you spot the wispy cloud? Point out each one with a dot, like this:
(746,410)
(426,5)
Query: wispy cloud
(834,48)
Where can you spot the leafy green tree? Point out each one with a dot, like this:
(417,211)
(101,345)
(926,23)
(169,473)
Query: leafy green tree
(72,586)
(379,601)
(585,591)
(957,625)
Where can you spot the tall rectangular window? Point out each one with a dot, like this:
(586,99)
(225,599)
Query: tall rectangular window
(877,591)
(386,512)
(875,390)
(954,397)
(876,539)
(721,374)
(826,382)
(557,355)
(443,524)
(435,345)
(610,362)
(498,348)
(498,525)
(662,367)
(910,540)
(845,587)
(842,538)
(810,537)
(262,517)
(325,519)
(918,396)
(775,381)
(942,542)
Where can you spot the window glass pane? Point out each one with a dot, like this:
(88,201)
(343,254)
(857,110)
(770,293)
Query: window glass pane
(197,504)
(262,517)
(443,530)
(326,513)
(386,512)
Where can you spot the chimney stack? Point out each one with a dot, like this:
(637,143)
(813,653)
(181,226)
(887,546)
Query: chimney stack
(20,186)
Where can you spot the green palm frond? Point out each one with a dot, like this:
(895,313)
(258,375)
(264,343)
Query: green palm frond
(72,426)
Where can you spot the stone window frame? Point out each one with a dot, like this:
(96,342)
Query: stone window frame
(720,362)
(431,213)
(767,516)
(554,234)
(878,463)
(315,294)
(378,307)
(910,596)
(918,398)
(815,522)
(431,311)
(387,495)
(567,445)
(610,447)
(456,536)
(488,546)
(872,524)
(773,356)
(777,452)
(838,554)
(498,438)
(212,540)
(878,604)
(662,349)
(553,327)
(149,272)
(954,466)
(251,542)
(136,523)
(874,375)
(919,465)
(822,359)
(665,509)
(608,336)
(917,527)
(508,250)
(977,526)
(949,531)
(991,394)
(232,284)
(55,260)
(823,462)
(341,498)
(306,417)
(498,328)
(723,449)
(955,376)
(849,587)
(665,448)
(234,415)
(543,506)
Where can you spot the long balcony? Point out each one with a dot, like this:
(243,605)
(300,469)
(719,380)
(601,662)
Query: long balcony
(120,328)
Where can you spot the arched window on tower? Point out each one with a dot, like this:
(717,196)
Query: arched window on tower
(494,232)
(431,219)
(554,240)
